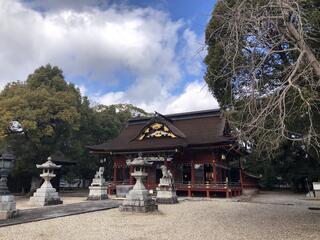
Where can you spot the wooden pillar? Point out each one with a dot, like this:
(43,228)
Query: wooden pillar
(192,172)
(115,173)
(227,188)
(214,169)
(148,177)
(131,178)
(123,173)
(241,179)
(109,189)
(189,190)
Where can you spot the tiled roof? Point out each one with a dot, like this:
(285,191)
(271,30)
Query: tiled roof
(202,128)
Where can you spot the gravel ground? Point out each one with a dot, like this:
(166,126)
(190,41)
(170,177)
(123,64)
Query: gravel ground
(214,219)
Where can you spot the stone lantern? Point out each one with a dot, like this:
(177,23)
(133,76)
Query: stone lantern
(46,194)
(138,199)
(7,202)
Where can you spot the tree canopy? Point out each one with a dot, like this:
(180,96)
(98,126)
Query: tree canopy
(56,118)
(263,67)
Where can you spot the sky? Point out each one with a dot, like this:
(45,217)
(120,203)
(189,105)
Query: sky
(145,52)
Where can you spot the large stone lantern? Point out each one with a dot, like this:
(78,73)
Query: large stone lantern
(7,202)
(46,194)
(138,199)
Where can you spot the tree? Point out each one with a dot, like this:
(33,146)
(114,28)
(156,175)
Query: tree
(56,118)
(48,109)
(263,67)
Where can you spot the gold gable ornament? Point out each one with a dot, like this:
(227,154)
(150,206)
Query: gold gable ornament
(156,130)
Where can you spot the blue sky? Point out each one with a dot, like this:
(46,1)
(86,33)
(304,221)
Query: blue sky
(148,53)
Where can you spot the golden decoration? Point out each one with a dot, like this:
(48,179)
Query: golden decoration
(156,130)
(156,126)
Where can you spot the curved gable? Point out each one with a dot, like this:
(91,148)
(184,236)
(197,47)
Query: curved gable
(156,130)
(159,127)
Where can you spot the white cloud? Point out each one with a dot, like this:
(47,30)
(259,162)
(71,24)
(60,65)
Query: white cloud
(192,52)
(97,44)
(111,98)
(194,97)
(82,88)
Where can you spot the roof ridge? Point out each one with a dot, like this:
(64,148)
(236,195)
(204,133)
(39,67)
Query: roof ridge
(178,116)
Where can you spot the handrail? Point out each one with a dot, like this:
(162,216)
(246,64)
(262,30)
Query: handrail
(186,185)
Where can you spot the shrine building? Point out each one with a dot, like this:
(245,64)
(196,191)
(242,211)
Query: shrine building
(196,146)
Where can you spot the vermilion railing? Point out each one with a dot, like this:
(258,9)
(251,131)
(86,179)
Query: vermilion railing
(183,185)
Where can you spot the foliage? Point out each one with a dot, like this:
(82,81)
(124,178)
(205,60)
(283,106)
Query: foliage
(55,117)
(291,164)
(263,67)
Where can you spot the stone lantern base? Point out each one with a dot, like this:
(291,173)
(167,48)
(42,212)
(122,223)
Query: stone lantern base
(45,196)
(138,201)
(7,207)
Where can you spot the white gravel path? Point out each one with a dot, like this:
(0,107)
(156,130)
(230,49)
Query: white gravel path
(217,219)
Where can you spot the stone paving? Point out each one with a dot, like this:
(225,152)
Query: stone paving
(282,198)
(38,214)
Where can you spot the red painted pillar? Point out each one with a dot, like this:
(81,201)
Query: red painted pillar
(148,177)
(115,173)
(241,179)
(214,171)
(189,190)
(227,189)
(192,172)
(123,173)
(114,179)
(131,178)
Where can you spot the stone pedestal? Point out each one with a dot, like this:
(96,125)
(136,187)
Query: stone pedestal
(7,207)
(316,188)
(98,193)
(7,202)
(138,199)
(315,194)
(166,195)
(166,192)
(45,195)
(98,189)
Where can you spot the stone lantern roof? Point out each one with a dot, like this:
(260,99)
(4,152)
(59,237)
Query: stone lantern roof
(48,165)
(139,161)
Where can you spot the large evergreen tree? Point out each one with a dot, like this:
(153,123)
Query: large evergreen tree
(55,117)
